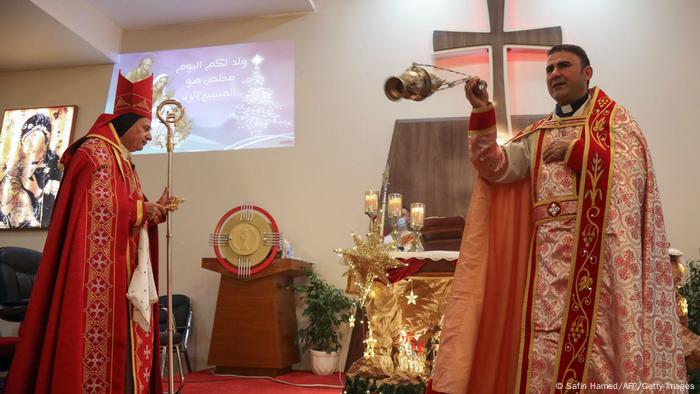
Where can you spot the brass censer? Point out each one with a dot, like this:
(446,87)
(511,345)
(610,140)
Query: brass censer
(416,83)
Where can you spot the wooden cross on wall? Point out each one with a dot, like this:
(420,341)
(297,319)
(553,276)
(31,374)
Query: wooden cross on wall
(497,39)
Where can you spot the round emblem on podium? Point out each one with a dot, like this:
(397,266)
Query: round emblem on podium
(246,240)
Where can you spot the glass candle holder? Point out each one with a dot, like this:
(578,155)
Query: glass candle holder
(372,207)
(417,215)
(371,202)
(417,221)
(395,205)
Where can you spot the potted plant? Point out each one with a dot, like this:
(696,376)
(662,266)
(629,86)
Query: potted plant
(690,289)
(326,307)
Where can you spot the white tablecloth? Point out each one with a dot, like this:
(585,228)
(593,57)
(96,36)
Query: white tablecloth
(431,255)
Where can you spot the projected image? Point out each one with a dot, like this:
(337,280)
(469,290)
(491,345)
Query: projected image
(235,96)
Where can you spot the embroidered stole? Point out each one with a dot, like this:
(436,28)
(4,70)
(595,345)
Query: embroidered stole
(580,309)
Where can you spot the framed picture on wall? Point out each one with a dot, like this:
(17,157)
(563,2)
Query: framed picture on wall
(32,141)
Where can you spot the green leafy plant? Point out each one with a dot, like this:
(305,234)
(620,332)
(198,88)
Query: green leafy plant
(691,291)
(362,385)
(326,307)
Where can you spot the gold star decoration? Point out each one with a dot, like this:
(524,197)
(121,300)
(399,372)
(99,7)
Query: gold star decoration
(412,297)
(369,260)
(351,321)
(370,343)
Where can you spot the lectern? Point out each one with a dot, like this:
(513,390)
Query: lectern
(255,320)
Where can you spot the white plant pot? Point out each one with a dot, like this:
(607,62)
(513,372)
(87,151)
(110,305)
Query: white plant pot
(323,363)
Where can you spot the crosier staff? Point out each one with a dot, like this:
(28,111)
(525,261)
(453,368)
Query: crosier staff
(170,112)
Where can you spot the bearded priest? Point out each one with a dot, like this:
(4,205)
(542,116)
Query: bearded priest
(91,325)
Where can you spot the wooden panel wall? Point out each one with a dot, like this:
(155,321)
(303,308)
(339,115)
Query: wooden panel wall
(429,161)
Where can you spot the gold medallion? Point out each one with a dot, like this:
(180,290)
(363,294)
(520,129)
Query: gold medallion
(245,239)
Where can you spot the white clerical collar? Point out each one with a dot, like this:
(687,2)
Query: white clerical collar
(577,108)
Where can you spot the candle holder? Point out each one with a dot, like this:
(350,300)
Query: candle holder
(372,207)
(395,212)
(418,236)
(372,219)
(417,220)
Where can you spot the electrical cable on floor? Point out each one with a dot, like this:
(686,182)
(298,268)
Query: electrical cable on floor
(330,386)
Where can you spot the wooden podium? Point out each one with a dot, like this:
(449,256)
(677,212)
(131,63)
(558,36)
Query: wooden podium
(255,320)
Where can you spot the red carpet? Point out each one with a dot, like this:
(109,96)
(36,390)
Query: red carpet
(205,382)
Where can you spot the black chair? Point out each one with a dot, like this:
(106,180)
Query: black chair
(182,317)
(18,267)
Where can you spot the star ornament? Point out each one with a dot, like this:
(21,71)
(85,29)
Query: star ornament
(411,297)
(257,59)
(369,259)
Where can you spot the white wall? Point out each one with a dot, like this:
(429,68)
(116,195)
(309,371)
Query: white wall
(643,55)
(85,20)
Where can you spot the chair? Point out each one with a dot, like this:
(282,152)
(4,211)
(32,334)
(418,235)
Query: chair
(182,318)
(7,349)
(18,267)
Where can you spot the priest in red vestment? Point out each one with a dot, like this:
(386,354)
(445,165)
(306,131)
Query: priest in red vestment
(92,321)
(564,281)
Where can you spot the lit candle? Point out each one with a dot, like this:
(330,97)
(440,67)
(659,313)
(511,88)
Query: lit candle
(371,202)
(395,205)
(417,214)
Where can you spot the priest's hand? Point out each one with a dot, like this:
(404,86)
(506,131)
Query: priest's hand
(477,97)
(155,212)
(171,203)
(556,150)
(164,199)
